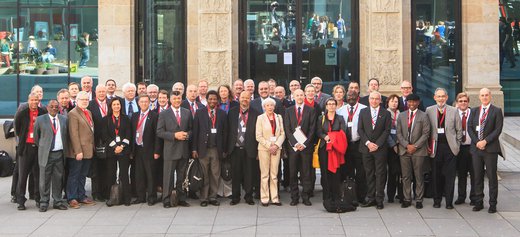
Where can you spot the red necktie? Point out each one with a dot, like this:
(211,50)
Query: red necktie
(178,117)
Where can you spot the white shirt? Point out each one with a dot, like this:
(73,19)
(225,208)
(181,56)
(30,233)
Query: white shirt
(344,110)
(468,138)
(203,101)
(102,107)
(58,144)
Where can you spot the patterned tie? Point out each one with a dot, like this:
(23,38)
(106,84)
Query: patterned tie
(141,131)
(410,128)
(178,117)
(192,107)
(242,125)
(374,118)
(482,125)
(405,104)
(130,109)
(464,126)
(53,143)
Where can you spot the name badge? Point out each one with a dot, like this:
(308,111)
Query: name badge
(137,135)
(477,129)
(350,124)
(118,139)
(243,129)
(463,133)
(273,139)
(31,135)
(213,130)
(393,131)
(440,130)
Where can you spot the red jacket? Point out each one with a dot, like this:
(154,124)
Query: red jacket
(336,148)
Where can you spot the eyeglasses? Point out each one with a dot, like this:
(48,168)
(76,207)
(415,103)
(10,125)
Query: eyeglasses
(316,83)
(406,87)
(463,101)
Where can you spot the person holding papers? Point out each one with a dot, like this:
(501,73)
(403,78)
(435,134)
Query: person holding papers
(299,124)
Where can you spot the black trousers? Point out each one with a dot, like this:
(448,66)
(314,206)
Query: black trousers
(14,181)
(144,166)
(98,177)
(158,171)
(375,170)
(179,168)
(283,171)
(124,179)
(488,160)
(465,167)
(395,184)
(330,182)
(354,168)
(444,170)
(133,187)
(27,164)
(241,167)
(299,161)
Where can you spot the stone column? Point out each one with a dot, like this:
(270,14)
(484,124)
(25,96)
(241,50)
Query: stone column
(210,41)
(116,41)
(480,50)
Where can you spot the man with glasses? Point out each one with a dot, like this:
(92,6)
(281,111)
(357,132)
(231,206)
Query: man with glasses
(373,85)
(406,89)
(320,96)
(152,91)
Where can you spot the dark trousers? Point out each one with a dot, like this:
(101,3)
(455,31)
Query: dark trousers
(27,164)
(78,171)
(241,167)
(158,171)
(354,168)
(144,175)
(444,170)
(98,177)
(299,161)
(465,167)
(330,182)
(483,159)
(283,171)
(133,182)
(395,184)
(179,168)
(52,173)
(375,170)
(124,178)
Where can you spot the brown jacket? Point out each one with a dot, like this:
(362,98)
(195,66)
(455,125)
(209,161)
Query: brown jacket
(81,134)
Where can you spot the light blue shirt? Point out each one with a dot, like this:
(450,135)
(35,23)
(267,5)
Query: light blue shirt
(135,106)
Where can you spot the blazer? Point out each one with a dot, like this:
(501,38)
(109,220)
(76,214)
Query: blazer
(492,129)
(151,142)
(186,104)
(97,117)
(232,104)
(379,134)
(250,143)
(43,134)
(452,128)
(167,126)
(364,100)
(264,132)
(202,129)
(81,135)
(109,134)
(420,132)
(308,127)
(322,99)
(257,105)
(124,107)
(21,127)
(402,108)
(322,128)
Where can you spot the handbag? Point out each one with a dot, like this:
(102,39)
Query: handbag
(225,169)
(101,152)
(315,154)
(194,178)
(116,195)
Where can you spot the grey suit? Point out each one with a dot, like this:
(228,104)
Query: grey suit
(175,152)
(420,130)
(322,99)
(50,162)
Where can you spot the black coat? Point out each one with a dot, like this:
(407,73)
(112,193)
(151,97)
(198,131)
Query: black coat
(97,117)
(379,134)
(186,104)
(151,142)
(202,129)
(322,128)
(21,127)
(109,134)
(308,126)
(364,101)
(250,143)
(492,129)
(402,108)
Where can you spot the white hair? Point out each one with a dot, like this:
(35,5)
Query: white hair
(178,83)
(316,79)
(36,87)
(249,81)
(152,86)
(128,85)
(268,101)
(82,94)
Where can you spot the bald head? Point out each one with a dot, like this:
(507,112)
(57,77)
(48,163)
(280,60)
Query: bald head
(485,96)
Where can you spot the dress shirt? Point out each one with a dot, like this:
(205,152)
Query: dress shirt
(135,106)
(58,143)
(344,111)
(468,138)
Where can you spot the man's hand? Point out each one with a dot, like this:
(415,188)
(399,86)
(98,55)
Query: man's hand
(118,149)
(79,156)
(156,156)
(327,139)
(194,154)
(481,144)
(299,147)
(396,149)
(372,147)
(181,136)
(410,149)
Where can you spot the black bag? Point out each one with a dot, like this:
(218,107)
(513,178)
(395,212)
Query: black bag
(347,196)
(101,152)
(225,169)
(428,185)
(116,195)
(8,129)
(174,198)
(194,178)
(6,164)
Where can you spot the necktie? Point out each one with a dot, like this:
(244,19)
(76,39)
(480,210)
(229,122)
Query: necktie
(153,105)
(405,104)
(482,124)
(74,103)
(130,109)
(374,118)
(299,114)
(464,126)
(141,131)
(178,117)
(192,109)
(410,128)
(53,143)
(212,114)
(349,118)
(242,125)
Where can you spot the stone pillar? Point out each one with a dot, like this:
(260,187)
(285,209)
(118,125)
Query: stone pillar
(210,41)
(480,50)
(384,43)
(116,41)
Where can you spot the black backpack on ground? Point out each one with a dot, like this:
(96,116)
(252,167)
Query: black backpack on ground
(116,195)
(347,198)
(194,177)
(6,164)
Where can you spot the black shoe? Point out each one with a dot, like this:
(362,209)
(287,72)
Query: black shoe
(137,201)
(62,207)
(369,204)
(277,203)
(294,203)
(436,205)
(492,209)
(183,204)
(214,203)
(406,204)
(307,202)
(151,202)
(204,203)
(13,199)
(21,207)
(472,203)
(256,196)
(250,202)
(460,201)
(380,206)
(265,204)
(478,207)
(234,202)
(167,205)
(390,200)
(418,205)
(43,208)
(449,206)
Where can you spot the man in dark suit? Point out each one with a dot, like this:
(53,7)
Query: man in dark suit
(283,177)
(111,86)
(145,149)
(202,92)
(86,85)
(63,98)
(373,85)
(175,128)
(191,102)
(407,89)
(99,109)
(27,150)
(302,117)
(485,126)
(51,135)
(242,147)
(320,96)
(209,139)
(164,104)
(152,91)
(163,100)
(129,102)
(374,129)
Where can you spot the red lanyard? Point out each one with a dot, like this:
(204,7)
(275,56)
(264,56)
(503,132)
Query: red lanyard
(443,116)
(484,116)
(118,124)
(331,122)
(141,120)
(351,116)
(55,129)
(227,106)
(244,117)
(395,118)
(88,117)
(273,124)
(102,108)
(410,119)
(299,118)
(214,119)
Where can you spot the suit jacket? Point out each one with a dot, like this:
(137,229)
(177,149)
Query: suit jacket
(308,127)
(167,126)
(93,107)
(492,129)
(232,104)
(420,132)
(151,142)
(202,130)
(322,99)
(364,100)
(322,127)
(250,143)
(81,135)
(109,134)
(379,134)
(186,104)
(124,107)
(452,128)
(43,134)
(402,108)
(257,105)
(21,127)
(264,132)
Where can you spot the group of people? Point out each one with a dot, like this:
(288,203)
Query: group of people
(266,136)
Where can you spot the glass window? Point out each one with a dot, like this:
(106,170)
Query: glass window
(8,63)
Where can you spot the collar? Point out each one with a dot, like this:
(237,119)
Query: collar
(101,101)
(128,101)
(374,109)
(191,102)
(175,110)
(299,105)
(414,111)
(144,111)
(486,107)
(55,116)
(467,111)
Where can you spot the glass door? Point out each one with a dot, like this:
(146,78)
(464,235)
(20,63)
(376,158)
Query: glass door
(436,48)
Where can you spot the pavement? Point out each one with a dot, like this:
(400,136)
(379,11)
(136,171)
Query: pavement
(244,220)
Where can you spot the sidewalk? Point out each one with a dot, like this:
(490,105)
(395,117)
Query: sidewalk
(510,140)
